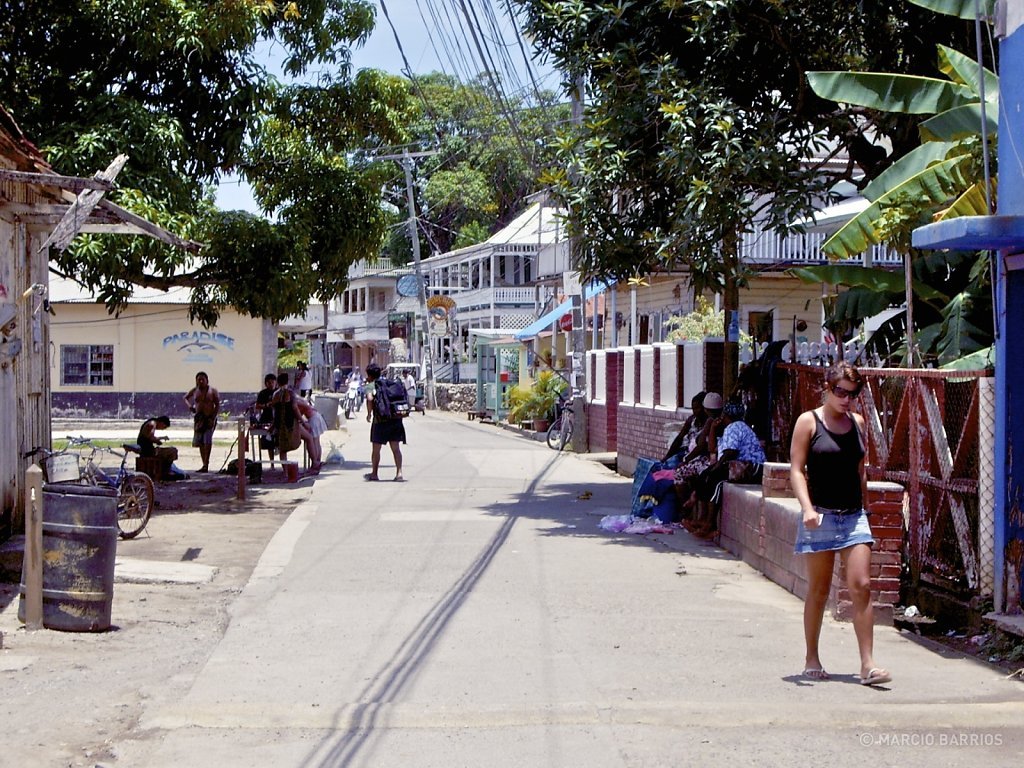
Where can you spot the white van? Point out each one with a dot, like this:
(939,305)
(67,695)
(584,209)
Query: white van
(418,371)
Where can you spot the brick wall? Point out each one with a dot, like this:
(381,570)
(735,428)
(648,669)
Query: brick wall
(760,527)
(602,417)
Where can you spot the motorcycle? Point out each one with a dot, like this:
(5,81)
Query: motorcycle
(352,400)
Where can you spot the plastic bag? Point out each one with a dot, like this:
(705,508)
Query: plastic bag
(333,456)
(615,523)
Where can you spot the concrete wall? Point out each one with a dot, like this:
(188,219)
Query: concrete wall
(760,526)
(157,353)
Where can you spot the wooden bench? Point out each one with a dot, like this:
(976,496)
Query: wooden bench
(473,414)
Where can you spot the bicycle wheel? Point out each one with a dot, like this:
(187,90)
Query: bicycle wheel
(555,434)
(134,504)
(566,439)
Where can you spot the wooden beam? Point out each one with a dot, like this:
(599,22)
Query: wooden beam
(78,213)
(55,180)
(149,227)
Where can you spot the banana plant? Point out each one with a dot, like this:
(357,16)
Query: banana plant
(937,179)
(940,169)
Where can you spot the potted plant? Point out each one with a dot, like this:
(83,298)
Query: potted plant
(544,395)
(520,409)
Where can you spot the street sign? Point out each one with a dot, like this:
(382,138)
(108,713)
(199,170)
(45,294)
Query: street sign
(408,285)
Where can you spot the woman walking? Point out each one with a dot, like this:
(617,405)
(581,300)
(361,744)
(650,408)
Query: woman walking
(828,477)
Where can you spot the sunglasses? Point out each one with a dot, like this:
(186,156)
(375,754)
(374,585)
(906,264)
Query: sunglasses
(845,394)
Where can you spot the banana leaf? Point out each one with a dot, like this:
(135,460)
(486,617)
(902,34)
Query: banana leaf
(938,183)
(959,123)
(908,94)
(880,281)
(959,336)
(906,167)
(852,306)
(970,203)
(976,361)
(963,9)
(962,69)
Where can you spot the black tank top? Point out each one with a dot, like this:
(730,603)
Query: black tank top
(833,467)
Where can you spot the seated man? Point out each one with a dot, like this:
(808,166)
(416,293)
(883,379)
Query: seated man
(149,445)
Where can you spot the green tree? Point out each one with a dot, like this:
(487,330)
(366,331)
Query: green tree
(178,86)
(699,121)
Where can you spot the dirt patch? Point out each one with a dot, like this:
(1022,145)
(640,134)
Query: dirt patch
(69,697)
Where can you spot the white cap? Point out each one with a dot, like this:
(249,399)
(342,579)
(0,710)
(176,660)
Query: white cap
(713,400)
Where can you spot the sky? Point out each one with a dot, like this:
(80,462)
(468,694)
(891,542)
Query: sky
(419,38)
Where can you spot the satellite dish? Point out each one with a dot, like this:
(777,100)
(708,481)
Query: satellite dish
(408,285)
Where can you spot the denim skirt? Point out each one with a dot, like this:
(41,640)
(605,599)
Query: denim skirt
(837,531)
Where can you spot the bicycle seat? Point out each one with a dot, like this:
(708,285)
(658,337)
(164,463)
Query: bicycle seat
(132,447)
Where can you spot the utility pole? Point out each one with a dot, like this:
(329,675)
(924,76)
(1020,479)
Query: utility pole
(578,337)
(406,161)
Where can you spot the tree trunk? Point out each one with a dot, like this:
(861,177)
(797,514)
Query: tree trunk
(731,305)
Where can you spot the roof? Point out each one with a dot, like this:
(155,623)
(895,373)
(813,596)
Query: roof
(833,216)
(537,226)
(544,323)
(66,291)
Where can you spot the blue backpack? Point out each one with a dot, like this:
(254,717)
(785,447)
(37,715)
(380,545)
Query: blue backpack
(389,399)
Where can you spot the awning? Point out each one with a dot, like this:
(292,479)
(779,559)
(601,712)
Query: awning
(833,216)
(544,323)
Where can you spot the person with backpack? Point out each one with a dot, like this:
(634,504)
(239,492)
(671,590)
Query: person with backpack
(384,412)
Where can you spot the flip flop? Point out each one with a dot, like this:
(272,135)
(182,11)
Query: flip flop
(876,676)
(815,673)
(370,478)
(399,480)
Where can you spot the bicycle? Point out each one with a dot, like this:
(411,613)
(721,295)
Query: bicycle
(135,492)
(560,431)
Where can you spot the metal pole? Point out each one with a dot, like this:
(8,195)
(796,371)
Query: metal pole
(414,235)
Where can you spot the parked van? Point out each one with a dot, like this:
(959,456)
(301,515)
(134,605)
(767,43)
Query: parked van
(418,371)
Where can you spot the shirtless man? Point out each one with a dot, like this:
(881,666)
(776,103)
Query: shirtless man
(203,401)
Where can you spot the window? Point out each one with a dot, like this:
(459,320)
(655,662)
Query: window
(85,365)
(761,325)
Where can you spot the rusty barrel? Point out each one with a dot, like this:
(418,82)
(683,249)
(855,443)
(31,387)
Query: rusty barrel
(79,546)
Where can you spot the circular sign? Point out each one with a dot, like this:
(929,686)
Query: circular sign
(408,285)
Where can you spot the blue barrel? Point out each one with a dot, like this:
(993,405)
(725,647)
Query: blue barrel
(79,545)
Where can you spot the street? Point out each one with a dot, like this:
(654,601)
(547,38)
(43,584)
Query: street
(475,615)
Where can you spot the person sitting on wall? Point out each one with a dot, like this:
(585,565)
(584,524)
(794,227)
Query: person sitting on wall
(736,456)
(697,458)
(686,440)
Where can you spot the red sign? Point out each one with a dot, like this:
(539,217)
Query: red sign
(565,322)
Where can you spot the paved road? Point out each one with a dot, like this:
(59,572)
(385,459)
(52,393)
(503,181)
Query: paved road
(476,616)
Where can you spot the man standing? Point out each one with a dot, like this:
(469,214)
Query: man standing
(304,381)
(336,378)
(204,402)
(409,382)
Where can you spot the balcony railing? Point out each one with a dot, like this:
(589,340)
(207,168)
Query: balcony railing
(365,267)
(763,247)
